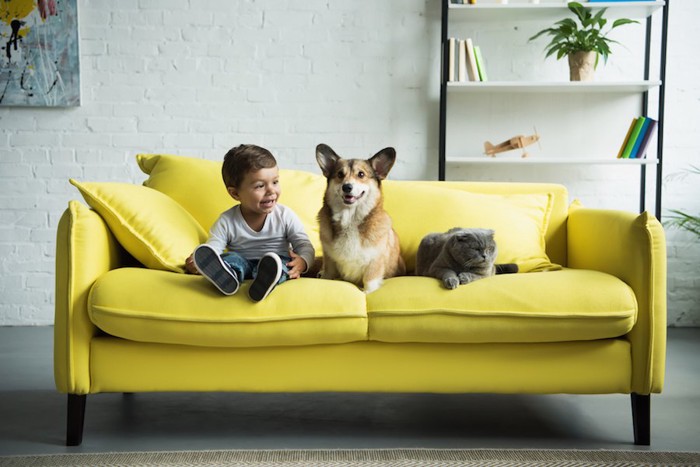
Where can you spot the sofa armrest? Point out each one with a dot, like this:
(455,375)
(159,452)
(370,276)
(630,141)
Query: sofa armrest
(85,249)
(631,247)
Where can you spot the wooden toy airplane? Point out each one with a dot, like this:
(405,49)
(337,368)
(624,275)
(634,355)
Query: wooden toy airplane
(516,142)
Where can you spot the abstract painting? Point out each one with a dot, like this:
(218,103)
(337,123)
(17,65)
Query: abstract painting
(39,53)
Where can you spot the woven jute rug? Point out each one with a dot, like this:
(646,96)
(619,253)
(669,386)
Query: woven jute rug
(364,458)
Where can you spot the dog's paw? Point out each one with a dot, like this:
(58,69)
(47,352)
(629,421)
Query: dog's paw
(450,282)
(325,275)
(372,285)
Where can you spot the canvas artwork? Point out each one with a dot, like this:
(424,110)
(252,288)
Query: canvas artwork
(39,41)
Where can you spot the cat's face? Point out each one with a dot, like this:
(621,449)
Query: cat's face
(473,248)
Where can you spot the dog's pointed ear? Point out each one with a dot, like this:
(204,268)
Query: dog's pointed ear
(326,158)
(383,161)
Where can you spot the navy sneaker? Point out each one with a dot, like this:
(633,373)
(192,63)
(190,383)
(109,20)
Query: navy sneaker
(210,264)
(269,273)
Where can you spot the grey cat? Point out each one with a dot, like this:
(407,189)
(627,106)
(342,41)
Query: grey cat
(460,256)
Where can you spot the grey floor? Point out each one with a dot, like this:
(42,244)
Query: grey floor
(32,414)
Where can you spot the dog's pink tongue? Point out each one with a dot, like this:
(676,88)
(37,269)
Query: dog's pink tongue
(349,199)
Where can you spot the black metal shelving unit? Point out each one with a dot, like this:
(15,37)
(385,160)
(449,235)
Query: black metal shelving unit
(533,10)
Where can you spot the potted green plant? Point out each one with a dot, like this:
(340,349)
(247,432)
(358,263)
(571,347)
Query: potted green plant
(584,42)
(684,220)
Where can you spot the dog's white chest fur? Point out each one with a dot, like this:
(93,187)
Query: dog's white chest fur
(351,254)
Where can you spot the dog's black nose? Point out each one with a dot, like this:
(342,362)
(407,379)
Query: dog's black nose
(347,188)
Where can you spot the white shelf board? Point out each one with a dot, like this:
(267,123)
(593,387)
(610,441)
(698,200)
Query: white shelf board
(554,86)
(549,11)
(516,159)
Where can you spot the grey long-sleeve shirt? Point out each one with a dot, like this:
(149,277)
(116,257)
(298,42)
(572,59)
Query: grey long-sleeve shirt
(282,231)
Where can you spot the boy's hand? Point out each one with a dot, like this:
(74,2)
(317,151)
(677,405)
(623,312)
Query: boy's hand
(296,266)
(190,268)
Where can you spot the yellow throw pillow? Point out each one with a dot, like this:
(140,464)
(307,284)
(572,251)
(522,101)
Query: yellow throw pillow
(519,220)
(197,185)
(194,183)
(152,227)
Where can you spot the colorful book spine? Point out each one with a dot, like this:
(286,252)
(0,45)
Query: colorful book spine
(480,64)
(633,138)
(640,137)
(650,131)
(627,138)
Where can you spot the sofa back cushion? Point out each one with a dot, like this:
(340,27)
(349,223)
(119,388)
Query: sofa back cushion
(197,185)
(520,220)
(555,235)
(529,219)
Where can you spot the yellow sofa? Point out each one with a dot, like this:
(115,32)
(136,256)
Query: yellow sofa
(586,315)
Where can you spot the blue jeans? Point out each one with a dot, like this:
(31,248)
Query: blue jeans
(248,269)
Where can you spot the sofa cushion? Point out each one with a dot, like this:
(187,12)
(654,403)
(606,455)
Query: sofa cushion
(557,306)
(197,185)
(194,183)
(156,306)
(519,220)
(152,227)
(555,237)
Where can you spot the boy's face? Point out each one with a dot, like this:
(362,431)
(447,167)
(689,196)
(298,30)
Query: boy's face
(259,191)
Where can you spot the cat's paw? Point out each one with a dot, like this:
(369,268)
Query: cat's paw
(465,277)
(450,282)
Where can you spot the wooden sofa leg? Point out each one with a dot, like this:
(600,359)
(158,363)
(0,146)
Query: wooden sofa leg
(641,419)
(76,419)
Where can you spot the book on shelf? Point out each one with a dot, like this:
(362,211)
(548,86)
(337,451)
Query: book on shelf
(472,64)
(502,2)
(462,55)
(649,132)
(451,50)
(633,138)
(638,138)
(627,138)
(461,65)
(480,64)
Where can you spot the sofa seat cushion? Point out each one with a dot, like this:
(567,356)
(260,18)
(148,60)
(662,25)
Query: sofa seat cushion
(556,306)
(163,307)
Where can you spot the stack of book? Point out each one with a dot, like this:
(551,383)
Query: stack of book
(465,61)
(638,137)
(473,2)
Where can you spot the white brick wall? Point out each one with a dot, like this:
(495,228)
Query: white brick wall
(195,77)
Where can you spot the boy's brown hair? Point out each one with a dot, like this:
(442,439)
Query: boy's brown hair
(243,159)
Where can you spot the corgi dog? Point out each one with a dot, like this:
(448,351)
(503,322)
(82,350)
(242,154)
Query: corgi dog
(359,243)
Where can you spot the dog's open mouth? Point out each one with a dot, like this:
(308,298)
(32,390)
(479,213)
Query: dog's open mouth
(350,199)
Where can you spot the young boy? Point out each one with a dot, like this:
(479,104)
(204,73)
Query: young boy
(264,240)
